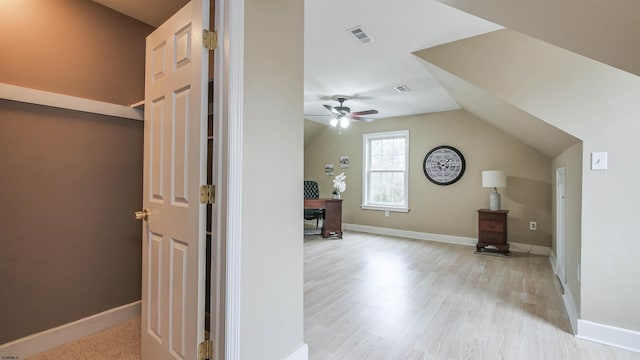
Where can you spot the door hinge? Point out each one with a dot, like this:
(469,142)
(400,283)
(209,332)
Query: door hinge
(205,350)
(210,39)
(207,194)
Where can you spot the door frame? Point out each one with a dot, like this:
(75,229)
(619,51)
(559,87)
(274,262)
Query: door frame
(228,102)
(561,224)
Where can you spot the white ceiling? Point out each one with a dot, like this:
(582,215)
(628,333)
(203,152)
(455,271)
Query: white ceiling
(338,64)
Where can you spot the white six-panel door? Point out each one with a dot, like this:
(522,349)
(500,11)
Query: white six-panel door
(175,129)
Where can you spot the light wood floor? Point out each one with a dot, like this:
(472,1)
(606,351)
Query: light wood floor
(377,297)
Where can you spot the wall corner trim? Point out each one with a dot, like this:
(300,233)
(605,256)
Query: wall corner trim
(447,239)
(570,306)
(609,335)
(49,339)
(567,298)
(301,354)
(68,102)
(553,261)
(229,85)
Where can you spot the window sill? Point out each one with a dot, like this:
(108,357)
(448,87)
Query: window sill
(384,208)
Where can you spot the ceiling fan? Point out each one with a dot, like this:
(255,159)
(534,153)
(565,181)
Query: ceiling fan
(342,114)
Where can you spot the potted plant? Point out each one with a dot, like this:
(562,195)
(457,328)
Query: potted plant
(339,185)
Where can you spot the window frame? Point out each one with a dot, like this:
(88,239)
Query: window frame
(366,141)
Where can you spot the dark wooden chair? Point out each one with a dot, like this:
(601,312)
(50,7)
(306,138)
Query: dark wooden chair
(311,191)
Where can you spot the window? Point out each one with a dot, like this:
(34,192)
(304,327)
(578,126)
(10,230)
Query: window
(386,171)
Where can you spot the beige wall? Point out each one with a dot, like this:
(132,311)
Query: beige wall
(571,160)
(598,104)
(595,29)
(271,277)
(447,210)
(72,47)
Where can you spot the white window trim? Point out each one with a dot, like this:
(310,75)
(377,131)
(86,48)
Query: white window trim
(385,208)
(365,170)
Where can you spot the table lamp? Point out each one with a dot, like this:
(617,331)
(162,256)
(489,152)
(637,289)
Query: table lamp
(495,179)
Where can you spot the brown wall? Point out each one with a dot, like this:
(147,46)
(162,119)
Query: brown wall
(73,47)
(69,246)
(69,181)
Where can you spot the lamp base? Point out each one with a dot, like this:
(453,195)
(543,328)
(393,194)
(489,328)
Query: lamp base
(494,200)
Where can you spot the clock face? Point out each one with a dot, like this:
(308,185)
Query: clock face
(444,165)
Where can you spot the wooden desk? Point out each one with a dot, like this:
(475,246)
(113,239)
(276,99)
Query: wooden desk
(332,214)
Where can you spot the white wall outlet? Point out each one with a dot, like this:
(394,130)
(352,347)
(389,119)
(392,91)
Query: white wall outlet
(598,161)
(533,225)
(386,213)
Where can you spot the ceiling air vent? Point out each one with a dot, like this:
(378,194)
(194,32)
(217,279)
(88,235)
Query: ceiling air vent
(402,89)
(361,34)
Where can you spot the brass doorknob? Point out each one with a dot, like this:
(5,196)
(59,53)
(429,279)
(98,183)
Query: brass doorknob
(142,215)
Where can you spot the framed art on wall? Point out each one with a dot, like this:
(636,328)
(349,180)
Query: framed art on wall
(344,162)
(328,169)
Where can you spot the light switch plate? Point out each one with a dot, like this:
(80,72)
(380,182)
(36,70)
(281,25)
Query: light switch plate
(598,161)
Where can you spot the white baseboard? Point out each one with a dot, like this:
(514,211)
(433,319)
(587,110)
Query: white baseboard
(529,249)
(449,239)
(567,298)
(609,335)
(572,311)
(49,339)
(553,261)
(301,354)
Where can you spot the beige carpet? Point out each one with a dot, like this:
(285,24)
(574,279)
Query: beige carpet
(120,342)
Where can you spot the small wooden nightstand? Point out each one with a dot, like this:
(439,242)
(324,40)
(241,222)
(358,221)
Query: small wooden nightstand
(492,230)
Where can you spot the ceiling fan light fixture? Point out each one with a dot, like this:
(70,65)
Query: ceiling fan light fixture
(344,122)
(343,115)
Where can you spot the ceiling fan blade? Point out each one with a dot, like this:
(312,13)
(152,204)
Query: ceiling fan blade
(330,108)
(360,118)
(317,114)
(366,112)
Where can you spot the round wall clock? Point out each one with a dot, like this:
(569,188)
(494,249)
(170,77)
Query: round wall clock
(443,165)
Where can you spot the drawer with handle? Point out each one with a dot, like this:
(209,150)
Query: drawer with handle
(486,225)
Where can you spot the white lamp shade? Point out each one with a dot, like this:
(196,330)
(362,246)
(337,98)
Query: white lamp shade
(494,179)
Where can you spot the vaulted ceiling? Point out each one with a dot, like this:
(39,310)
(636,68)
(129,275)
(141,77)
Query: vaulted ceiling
(337,63)
(606,31)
